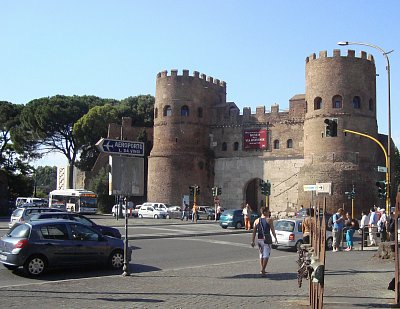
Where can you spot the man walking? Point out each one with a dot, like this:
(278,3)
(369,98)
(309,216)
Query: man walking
(337,231)
(246,215)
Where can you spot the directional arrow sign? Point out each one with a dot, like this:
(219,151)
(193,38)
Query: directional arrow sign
(116,146)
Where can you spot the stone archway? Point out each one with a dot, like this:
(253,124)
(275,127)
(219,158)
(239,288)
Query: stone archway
(252,194)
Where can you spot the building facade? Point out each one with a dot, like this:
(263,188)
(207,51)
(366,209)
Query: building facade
(201,139)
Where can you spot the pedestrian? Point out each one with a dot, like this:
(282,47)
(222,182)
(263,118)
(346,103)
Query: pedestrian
(263,225)
(337,231)
(390,227)
(306,225)
(351,226)
(382,225)
(246,215)
(194,213)
(373,227)
(364,226)
(185,211)
(219,211)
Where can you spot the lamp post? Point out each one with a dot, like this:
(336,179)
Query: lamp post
(388,174)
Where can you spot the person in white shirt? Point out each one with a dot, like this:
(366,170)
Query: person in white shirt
(382,225)
(373,227)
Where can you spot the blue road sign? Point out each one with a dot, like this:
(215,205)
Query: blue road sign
(116,146)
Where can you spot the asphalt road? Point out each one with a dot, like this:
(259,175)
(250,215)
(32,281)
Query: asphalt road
(193,271)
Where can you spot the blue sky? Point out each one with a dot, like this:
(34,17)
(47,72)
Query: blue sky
(114,49)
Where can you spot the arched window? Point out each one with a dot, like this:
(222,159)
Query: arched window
(167,110)
(236,146)
(185,111)
(276,144)
(200,112)
(337,101)
(289,143)
(371,105)
(224,146)
(317,103)
(156,112)
(356,102)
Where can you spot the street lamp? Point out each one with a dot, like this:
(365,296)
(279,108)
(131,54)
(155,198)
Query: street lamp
(385,54)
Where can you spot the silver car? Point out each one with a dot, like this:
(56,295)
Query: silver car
(290,235)
(39,245)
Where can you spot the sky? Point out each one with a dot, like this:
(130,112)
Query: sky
(115,48)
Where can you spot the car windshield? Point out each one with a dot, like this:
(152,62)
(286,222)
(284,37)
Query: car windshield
(19,231)
(286,226)
(17,212)
(83,220)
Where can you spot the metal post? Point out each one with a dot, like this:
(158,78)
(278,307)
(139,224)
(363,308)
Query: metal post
(126,264)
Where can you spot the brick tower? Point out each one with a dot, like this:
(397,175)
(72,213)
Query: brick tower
(343,89)
(181,154)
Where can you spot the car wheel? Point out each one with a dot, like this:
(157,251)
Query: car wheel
(274,246)
(168,217)
(10,267)
(140,216)
(209,217)
(155,216)
(329,243)
(238,225)
(224,227)
(116,260)
(35,266)
(298,244)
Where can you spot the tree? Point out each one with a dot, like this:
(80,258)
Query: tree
(48,123)
(99,185)
(139,108)
(45,178)
(89,129)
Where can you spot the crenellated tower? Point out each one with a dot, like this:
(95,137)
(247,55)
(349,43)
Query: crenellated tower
(342,89)
(181,154)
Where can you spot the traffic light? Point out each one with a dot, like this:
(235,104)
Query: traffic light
(265,188)
(214,191)
(197,190)
(351,195)
(381,188)
(191,190)
(219,190)
(331,127)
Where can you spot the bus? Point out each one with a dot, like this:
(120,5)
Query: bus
(74,200)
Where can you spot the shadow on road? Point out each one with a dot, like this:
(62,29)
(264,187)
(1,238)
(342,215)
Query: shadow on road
(271,276)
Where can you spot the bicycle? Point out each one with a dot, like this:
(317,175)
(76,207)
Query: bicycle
(304,261)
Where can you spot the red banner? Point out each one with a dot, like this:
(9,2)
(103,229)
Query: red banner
(255,139)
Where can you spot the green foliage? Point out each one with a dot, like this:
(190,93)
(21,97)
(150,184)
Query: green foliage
(99,185)
(19,185)
(395,163)
(139,108)
(45,179)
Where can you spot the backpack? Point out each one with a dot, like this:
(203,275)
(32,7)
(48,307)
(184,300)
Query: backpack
(330,222)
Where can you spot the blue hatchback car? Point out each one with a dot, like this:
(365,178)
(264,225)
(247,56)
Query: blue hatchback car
(234,218)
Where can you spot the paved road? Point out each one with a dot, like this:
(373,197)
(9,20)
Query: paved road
(202,272)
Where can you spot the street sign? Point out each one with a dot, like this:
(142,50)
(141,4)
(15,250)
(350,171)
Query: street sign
(310,187)
(116,146)
(382,169)
(324,187)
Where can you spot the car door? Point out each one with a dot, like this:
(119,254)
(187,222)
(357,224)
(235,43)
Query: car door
(89,246)
(55,243)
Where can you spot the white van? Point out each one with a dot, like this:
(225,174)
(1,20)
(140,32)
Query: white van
(31,200)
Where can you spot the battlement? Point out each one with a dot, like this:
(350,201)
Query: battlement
(196,74)
(337,53)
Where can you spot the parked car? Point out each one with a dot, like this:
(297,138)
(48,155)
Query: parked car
(289,234)
(174,212)
(234,218)
(42,244)
(162,206)
(151,212)
(22,214)
(205,213)
(114,210)
(105,230)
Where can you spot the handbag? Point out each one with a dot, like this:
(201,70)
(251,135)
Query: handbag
(267,236)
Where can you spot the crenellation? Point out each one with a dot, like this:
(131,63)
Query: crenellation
(363,55)
(203,76)
(210,79)
(336,53)
(164,73)
(246,111)
(196,74)
(216,81)
(174,73)
(371,58)
(323,54)
(185,73)
(351,53)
